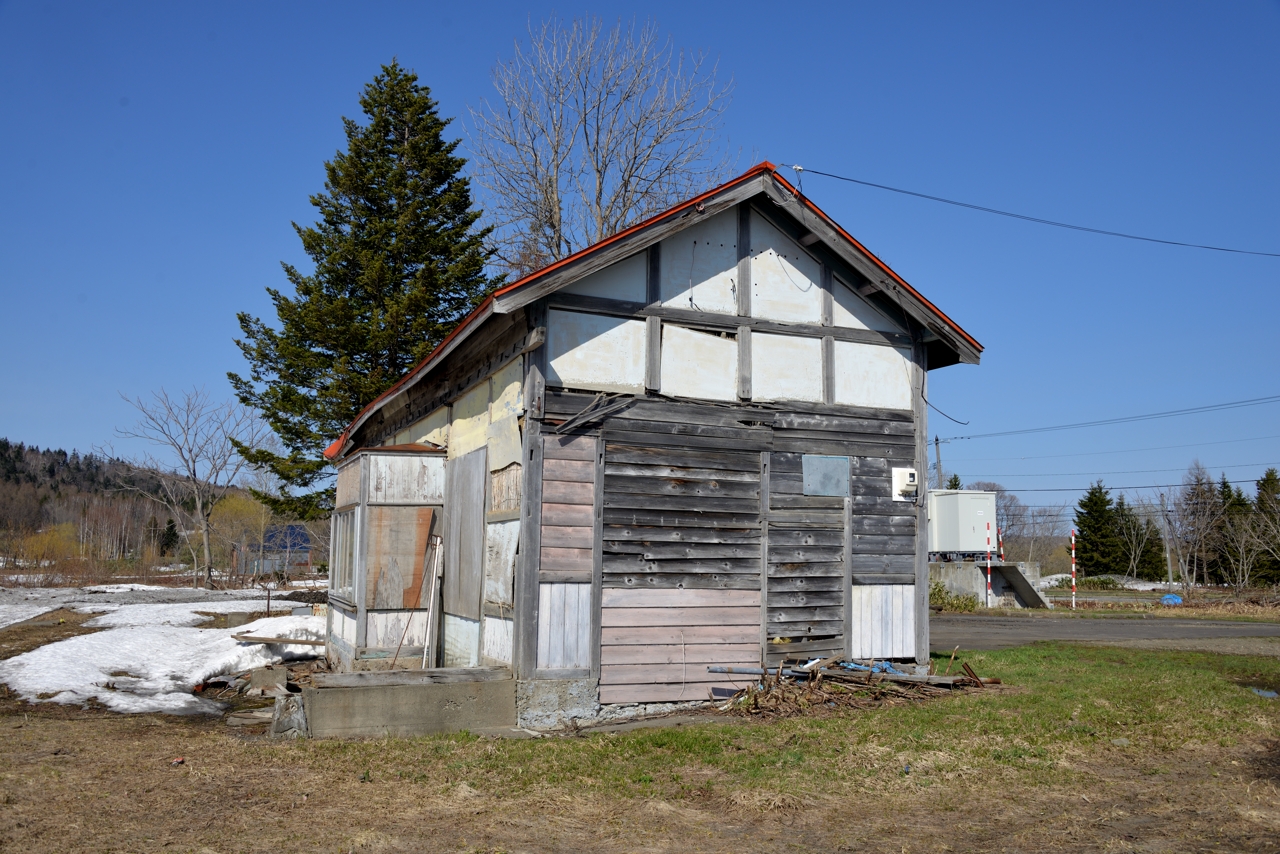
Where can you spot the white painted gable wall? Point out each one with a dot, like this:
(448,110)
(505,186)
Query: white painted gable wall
(699,266)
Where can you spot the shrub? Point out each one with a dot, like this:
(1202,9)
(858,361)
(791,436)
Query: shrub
(940,597)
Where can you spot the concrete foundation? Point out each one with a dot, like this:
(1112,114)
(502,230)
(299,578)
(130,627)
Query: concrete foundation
(552,703)
(409,710)
(1013,585)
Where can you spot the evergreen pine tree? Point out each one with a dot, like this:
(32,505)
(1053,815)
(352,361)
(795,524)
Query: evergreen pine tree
(953,482)
(398,262)
(1098,548)
(1267,502)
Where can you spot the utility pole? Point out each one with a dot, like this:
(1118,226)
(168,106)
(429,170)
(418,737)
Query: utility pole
(937,455)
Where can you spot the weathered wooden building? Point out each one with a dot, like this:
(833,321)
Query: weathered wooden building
(701,441)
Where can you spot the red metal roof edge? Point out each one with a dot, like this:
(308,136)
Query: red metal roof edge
(882,265)
(764,167)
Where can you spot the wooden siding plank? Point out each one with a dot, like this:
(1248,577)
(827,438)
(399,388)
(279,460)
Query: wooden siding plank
(560,576)
(574,471)
(681,551)
(676,486)
(565,492)
(612,469)
(688,673)
(631,517)
(566,559)
(676,580)
(678,653)
(636,565)
(665,693)
(564,537)
(648,534)
(678,598)
(618,452)
(567,515)
(569,447)
(657,635)
(667,616)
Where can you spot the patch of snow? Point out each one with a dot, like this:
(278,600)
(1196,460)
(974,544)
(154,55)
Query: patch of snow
(158,664)
(122,588)
(171,614)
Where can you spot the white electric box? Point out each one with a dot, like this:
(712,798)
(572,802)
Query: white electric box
(962,521)
(905,485)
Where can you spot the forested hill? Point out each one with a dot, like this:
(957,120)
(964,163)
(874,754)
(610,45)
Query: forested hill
(57,470)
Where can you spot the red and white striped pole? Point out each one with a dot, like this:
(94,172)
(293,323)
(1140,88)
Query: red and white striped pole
(988,564)
(1073,569)
(1000,543)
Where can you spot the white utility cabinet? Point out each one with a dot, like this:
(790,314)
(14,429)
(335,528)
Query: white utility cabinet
(958,520)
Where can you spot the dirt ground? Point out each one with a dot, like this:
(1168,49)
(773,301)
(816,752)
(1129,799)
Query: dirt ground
(87,780)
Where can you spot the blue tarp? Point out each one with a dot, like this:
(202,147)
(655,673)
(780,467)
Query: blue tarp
(1171,599)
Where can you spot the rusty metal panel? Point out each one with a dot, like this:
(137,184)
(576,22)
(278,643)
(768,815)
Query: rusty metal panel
(398,538)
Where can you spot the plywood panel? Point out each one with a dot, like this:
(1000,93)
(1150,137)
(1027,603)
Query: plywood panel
(593,351)
(464,535)
(624,280)
(786,281)
(564,626)
(786,367)
(872,376)
(689,672)
(699,266)
(469,428)
(501,539)
(503,439)
(853,312)
(406,478)
(698,364)
(432,430)
(396,551)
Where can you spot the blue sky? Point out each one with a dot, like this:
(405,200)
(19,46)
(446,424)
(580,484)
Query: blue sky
(153,157)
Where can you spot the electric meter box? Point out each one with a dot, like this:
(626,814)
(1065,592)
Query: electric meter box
(958,520)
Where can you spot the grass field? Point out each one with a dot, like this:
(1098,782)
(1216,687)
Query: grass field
(1087,748)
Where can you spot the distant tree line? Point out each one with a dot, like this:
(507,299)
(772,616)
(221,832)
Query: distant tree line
(1203,532)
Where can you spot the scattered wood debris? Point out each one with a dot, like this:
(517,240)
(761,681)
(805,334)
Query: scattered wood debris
(831,684)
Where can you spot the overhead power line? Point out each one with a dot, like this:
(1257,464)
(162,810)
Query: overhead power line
(1151,416)
(1123,488)
(1129,471)
(801,169)
(1102,453)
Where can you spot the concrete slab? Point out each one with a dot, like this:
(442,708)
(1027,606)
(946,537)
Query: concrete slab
(409,710)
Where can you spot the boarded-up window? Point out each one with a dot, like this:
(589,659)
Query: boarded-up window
(568,508)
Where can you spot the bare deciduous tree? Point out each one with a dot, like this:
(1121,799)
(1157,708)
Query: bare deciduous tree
(200,463)
(592,130)
(1134,530)
(1244,542)
(1191,521)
